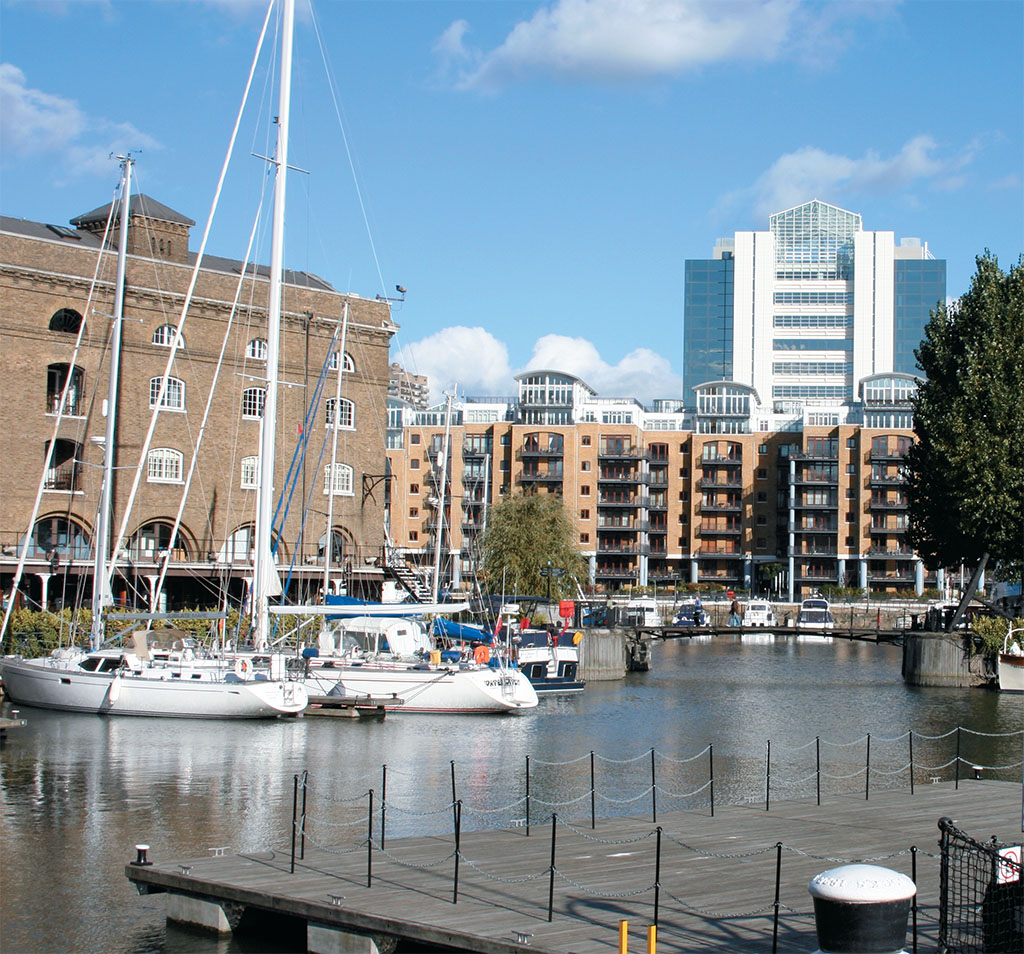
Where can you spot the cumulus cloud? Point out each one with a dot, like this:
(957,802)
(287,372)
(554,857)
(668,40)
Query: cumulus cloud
(471,359)
(811,172)
(642,373)
(33,122)
(628,39)
(477,363)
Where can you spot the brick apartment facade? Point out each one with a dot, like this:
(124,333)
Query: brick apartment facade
(47,293)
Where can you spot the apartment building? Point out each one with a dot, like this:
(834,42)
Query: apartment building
(732,493)
(59,280)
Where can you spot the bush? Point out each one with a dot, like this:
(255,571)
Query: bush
(992,631)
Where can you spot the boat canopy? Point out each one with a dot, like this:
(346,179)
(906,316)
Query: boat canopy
(461,631)
(404,637)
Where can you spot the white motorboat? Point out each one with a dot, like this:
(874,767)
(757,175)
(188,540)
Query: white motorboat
(1010,664)
(758,613)
(815,613)
(117,682)
(551,660)
(383,655)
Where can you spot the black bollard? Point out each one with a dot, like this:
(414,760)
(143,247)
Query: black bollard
(142,856)
(861,909)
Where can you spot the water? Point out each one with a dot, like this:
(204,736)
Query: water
(78,792)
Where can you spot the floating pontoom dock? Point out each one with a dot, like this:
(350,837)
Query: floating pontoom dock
(735,881)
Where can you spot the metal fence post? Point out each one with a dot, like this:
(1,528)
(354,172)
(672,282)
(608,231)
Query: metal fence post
(593,811)
(369,840)
(817,765)
(711,776)
(657,873)
(458,850)
(527,796)
(867,769)
(302,817)
(957,786)
(913,901)
(911,761)
(768,775)
(551,871)
(454,796)
(654,791)
(295,816)
(383,801)
(778,883)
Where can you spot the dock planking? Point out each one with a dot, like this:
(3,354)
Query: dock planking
(717,875)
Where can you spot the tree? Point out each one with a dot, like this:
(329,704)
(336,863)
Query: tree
(965,480)
(526,533)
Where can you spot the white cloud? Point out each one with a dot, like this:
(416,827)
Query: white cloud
(470,358)
(642,373)
(478,364)
(628,39)
(810,172)
(34,123)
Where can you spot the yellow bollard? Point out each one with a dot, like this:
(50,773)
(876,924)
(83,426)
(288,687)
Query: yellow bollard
(652,939)
(623,937)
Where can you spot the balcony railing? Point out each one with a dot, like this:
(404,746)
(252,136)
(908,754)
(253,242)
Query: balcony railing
(74,406)
(63,478)
(720,482)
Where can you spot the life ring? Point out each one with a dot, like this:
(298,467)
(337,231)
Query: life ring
(242,668)
(482,655)
(577,637)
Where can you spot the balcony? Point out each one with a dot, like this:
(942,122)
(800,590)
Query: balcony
(719,551)
(888,505)
(708,528)
(74,406)
(534,452)
(64,478)
(622,453)
(604,547)
(527,477)
(629,502)
(811,550)
(720,507)
(627,477)
(616,573)
(887,480)
(634,526)
(891,553)
(720,482)
(727,461)
(885,531)
(816,477)
(797,528)
(657,480)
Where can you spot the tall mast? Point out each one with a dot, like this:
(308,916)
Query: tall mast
(441,499)
(265,573)
(329,550)
(101,594)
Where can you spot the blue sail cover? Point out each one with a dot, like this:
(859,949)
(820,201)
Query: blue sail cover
(461,631)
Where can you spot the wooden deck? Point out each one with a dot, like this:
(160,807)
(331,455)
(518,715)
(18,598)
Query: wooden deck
(717,879)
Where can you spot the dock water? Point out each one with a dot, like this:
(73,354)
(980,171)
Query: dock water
(711,879)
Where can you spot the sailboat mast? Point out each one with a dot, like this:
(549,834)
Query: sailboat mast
(329,549)
(441,498)
(101,594)
(264,570)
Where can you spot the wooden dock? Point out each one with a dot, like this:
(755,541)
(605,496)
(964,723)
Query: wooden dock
(352,707)
(715,893)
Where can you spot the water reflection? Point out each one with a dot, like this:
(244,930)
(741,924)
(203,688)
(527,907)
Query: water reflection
(79,791)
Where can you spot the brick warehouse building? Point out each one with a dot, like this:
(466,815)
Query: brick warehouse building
(46,273)
(660,495)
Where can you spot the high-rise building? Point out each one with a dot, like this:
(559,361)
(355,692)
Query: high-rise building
(406,386)
(805,311)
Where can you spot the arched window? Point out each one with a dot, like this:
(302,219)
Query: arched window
(66,320)
(350,365)
(250,473)
(174,396)
(253,400)
(56,377)
(65,466)
(152,540)
(61,537)
(346,417)
(165,335)
(164,466)
(338,482)
(238,548)
(341,546)
(256,350)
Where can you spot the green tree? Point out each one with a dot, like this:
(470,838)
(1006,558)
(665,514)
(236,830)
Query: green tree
(965,481)
(524,534)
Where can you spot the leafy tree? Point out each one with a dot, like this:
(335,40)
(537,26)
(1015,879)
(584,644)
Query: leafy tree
(526,533)
(965,483)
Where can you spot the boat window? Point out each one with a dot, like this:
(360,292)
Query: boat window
(90,665)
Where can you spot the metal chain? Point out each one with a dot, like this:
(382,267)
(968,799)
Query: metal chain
(479,870)
(605,841)
(600,894)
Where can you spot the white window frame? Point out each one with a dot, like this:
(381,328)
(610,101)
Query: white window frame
(256,349)
(350,365)
(165,465)
(250,403)
(347,416)
(250,472)
(343,482)
(164,336)
(174,396)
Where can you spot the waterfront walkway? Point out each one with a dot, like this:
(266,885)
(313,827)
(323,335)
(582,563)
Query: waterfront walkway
(716,888)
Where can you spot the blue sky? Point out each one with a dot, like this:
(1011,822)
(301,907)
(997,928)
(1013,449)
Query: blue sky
(534,174)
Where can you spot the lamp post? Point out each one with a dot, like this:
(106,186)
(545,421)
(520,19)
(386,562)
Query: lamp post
(549,582)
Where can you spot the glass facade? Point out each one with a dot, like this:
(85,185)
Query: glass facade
(920,284)
(707,324)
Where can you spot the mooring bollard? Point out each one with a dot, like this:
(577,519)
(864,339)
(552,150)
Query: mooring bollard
(142,856)
(861,909)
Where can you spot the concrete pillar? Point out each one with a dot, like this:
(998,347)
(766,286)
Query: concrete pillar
(328,940)
(151,580)
(918,577)
(44,579)
(940,581)
(841,572)
(207,915)
(862,575)
(592,568)
(456,564)
(747,576)
(694,571)
(642,566)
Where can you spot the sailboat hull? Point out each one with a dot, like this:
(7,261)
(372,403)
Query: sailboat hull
(435,690)
(1011,672)
(50,683)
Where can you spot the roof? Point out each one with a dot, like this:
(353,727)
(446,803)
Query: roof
(139,204)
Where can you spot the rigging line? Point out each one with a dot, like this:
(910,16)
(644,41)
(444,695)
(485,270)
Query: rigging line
(52,446)
(161,396)
(206,416)
(298,455)
(344,138)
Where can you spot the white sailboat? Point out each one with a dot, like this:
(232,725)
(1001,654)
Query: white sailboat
(121,682)
(1010,664)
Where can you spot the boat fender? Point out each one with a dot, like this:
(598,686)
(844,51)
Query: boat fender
(577,637)
(482,655)
(115,690)
(243,668)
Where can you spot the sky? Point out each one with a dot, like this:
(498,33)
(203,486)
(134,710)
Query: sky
(534,174)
